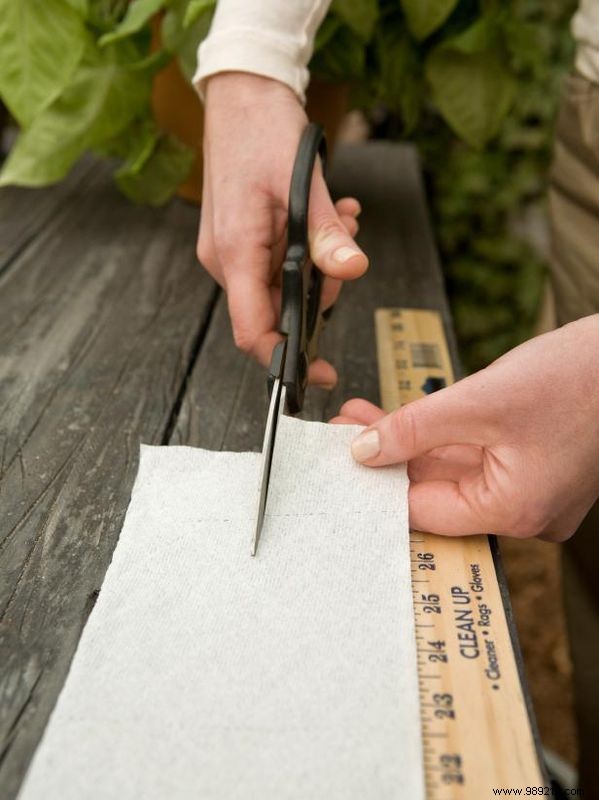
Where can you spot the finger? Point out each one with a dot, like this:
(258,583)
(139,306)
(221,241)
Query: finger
(321,373)
(451,416)
(253,315)
(362,410)
(427,468)
(350,224)
(332,248)
(349,206)
(330,292)
(440,507)
(341,420)
(278,243)
(465,454)
(279,246)
(276,299)
(205,249)
(555,537)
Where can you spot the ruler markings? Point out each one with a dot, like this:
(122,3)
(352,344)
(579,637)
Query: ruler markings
(476,735)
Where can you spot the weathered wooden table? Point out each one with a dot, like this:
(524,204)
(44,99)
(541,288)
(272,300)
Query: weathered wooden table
(112,335)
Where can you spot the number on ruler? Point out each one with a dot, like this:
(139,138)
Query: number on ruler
(438,653)
(430,603)
(451,768)
(426,561)
(443,703)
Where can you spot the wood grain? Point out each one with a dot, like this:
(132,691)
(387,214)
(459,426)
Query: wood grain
(24,213)
(101,317)
(110,335)
(468,665)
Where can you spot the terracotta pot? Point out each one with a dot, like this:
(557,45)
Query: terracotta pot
(178,110)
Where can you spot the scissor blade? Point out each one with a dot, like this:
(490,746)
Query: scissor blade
(275,409)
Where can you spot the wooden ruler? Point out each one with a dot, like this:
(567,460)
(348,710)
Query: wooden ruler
(476,730)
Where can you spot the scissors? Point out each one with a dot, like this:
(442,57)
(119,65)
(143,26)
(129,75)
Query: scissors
(301,318)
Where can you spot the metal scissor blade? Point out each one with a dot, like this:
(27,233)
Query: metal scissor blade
(277,404)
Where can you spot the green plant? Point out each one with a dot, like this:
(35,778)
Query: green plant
(476,86)
(474,82)
(483,198)
(77,74)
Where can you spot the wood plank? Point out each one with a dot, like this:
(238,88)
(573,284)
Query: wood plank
(25,212)
(225,405)
(102,315)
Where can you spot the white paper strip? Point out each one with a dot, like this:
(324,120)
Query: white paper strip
(205,673)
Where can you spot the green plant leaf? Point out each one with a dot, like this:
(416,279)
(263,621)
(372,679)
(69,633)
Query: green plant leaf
(105,15)
(401,80)
(80,6)
(196,9)
(101,99)
(163,169)
(138,14)
(343,58)
(330,26)
(182,41)
(425,16)
(359,15)
(136,144)
(41,44)
(471,82)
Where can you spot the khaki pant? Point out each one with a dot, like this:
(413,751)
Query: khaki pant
(574,207)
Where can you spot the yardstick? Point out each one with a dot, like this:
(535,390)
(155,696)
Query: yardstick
(477,733)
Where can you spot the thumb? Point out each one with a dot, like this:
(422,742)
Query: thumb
(450,416)
(332,249)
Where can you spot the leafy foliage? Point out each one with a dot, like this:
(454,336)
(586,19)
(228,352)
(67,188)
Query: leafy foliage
(425,16)
(479,197)
(473,82)
(136,16)
(41,45)
(77,76)
(475,58)
(102,97)
(161,163)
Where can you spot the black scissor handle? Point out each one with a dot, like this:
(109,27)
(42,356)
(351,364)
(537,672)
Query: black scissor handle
(302,280)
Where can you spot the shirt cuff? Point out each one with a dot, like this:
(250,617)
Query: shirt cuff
(245,50)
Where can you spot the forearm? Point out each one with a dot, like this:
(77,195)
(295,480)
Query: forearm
(264,37)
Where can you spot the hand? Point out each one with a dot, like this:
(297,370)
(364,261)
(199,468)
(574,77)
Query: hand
(513,449)
(252,130)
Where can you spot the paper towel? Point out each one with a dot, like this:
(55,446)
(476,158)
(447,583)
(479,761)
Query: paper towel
(205,673)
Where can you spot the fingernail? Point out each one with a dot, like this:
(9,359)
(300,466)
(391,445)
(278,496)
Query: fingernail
(343,254)
(367,445)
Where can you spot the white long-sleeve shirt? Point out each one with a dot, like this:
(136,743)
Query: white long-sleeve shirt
(585,29)
(275,38)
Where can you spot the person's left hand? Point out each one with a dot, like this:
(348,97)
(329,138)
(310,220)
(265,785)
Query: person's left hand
(512,449)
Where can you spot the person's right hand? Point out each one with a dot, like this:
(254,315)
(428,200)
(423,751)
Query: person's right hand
(251,134)
(512,449)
